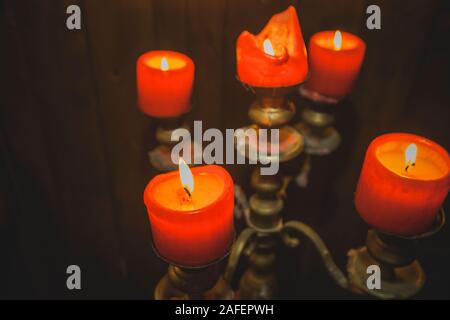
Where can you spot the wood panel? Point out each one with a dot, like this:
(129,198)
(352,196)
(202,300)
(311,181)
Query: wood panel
(118,32)
(65,160)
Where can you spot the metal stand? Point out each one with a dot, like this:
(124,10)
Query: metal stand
(316,126)
(160,156)
(402,275)
(182,283)
(271,110)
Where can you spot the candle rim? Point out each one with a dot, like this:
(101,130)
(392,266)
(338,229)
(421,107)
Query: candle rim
(149,55)
(213,169)
(359,43)
(411,138)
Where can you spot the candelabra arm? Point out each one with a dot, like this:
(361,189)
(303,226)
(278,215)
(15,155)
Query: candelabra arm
(243,245)
(290,240)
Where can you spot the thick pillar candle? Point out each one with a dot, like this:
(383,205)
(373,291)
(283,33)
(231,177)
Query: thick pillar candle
(335,58)
(403,182)
(276,57)
(164,83)
(191,226)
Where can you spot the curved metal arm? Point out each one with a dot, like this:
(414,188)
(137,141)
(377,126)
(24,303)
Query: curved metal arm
(292,241)
(242,243)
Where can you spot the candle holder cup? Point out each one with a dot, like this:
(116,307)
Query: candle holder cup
(318,117)
(203,282)
(317,127)
(402,276)
(160,156)
(273,110)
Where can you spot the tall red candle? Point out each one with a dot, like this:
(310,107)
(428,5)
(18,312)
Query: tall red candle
(191,230)
(276,57)
(403,182)
(335,59)
(164,83)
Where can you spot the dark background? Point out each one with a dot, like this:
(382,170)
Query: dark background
(73,144)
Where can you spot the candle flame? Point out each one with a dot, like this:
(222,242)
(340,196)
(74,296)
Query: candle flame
(186,177)
(268,48)
(164,64)
(337,41)
(410,156)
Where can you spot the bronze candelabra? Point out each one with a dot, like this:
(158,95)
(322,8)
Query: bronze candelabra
(271,110)
(401,274)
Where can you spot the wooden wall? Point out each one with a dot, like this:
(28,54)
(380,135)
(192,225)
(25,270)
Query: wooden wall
(74,163)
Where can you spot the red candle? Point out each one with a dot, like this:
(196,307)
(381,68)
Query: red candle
(164,83)
(335,59)
(403,182)
(276,57)
(191,226)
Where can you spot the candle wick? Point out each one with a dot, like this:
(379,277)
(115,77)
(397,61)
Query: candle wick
(187,191)
(412,165)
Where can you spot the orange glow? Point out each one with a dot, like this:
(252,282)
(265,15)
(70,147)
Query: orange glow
(164,83)
(276,56)
(194,230)
(335,58)
(397,199)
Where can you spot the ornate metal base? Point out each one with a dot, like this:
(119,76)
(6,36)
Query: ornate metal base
(401,274)
(182,283)
(199,282)
(407,280)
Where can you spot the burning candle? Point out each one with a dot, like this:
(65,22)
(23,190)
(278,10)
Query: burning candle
(403,182)
(191,214)
(335,59)
(164,83)
(276,57)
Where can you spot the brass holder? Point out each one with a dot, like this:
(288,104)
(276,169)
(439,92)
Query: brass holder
(160,156)
(316,126)
(193,283)
(402,275)
(318,116)
(270,110)
(258,246)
